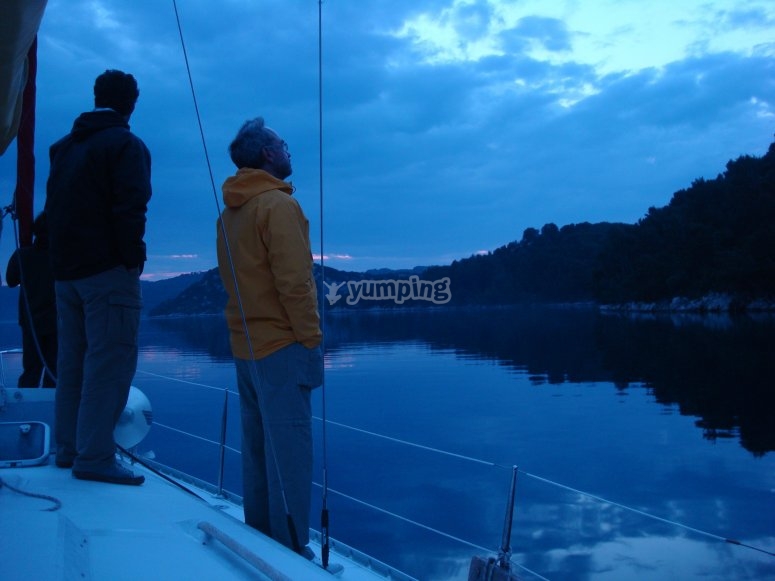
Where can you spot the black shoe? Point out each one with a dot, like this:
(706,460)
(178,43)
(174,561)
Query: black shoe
(64,457)
(115,475)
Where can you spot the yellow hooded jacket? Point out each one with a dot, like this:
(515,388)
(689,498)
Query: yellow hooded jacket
(268,238)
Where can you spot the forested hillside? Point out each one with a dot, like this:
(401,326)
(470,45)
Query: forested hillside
(206,296)
(553,265)
(717,236)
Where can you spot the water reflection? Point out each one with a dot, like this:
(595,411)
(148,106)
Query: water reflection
(715,368)
(574,434)
(573,396)
(197,334)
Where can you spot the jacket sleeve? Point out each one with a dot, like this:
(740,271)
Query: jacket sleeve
(12,272)
(286,236)
(131,187)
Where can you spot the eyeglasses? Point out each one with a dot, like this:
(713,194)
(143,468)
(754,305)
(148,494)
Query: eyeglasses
(279,145)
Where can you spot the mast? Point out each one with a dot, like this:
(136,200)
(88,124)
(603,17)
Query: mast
(24,195)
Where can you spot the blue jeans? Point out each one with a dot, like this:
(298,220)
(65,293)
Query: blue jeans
(98,319)
(275,406)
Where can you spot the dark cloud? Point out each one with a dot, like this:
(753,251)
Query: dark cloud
(747,17)
(428,162)
(549,33)
(472,21)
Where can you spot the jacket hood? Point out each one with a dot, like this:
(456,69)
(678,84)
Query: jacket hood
(93,121)
(249,183)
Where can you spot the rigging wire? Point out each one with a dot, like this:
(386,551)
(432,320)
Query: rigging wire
(185,381)
(646,514)
(194,436)
(253,368)
(25,299)
(324,513)
(553,483)
(428,528)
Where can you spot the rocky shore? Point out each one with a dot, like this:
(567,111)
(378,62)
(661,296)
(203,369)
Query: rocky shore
(711,303)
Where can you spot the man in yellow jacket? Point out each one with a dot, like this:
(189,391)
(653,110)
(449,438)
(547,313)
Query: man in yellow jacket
(265,262)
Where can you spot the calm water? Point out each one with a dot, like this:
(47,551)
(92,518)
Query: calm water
(674,417)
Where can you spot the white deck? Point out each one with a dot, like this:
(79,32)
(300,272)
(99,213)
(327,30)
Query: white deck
(113,532)
(110,532)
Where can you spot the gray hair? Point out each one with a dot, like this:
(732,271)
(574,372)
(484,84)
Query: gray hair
(247,149)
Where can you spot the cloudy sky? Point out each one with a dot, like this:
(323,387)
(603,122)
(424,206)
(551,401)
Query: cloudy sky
(449,126)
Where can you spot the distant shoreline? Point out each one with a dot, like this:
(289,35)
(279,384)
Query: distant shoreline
(710,304)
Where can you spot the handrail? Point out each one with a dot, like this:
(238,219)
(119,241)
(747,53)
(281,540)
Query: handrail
(242,551)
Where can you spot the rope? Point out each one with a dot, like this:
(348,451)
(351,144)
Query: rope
(56,501)
(158,473)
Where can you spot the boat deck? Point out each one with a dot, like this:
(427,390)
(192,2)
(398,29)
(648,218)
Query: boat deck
(154,531)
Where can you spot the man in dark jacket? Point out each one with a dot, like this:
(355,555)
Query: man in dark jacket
(97,196)
(30,267)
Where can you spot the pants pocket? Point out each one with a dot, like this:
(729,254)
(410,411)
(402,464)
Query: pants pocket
(276,367)
(309,366)
(123,320)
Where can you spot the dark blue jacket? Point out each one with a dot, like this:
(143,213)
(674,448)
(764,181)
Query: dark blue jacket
(32,263)
(97,197)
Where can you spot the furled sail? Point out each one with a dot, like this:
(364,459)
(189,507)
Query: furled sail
(18,27)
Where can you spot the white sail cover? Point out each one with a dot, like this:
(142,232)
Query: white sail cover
(19,23)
